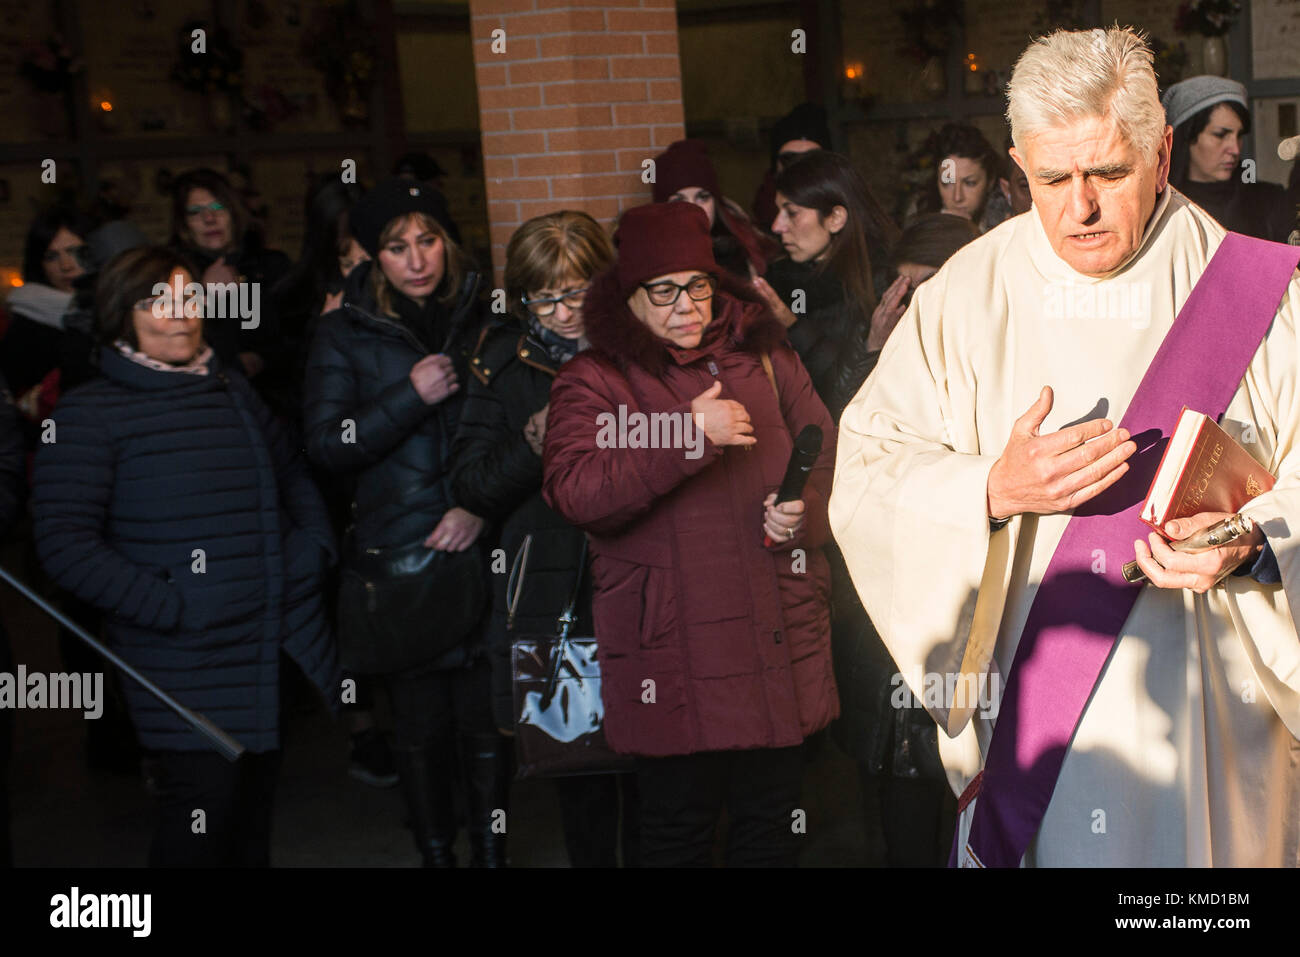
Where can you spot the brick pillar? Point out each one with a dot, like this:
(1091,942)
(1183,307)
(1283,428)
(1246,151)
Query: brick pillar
(583,92)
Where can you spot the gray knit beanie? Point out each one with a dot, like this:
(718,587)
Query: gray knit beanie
(1184,100)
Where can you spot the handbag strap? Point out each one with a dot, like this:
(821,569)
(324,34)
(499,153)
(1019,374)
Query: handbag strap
(563,626)
(766,358)
(515,582)
(564,623)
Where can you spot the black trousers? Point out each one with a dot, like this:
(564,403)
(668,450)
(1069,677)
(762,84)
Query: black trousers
(683,797)
(589,809)
(432,703)
(236,801)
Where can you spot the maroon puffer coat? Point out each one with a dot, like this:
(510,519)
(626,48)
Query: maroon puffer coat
(734,636)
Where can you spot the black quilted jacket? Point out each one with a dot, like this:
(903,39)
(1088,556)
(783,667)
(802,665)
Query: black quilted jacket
(364,420)
(176,504)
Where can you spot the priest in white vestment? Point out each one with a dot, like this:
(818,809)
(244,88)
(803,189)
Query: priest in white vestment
(1188,753)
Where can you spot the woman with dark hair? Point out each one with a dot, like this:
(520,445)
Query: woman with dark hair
(382,400)
(710,600)
(54,258)
(173,502)
(966,171)
(836,237)
(550,262)
(684,173)
(213,228)
(1210,116)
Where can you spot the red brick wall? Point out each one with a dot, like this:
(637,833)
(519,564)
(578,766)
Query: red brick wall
(585,91)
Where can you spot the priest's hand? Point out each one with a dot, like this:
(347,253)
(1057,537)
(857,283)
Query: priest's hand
(1046,474)
(1202,570)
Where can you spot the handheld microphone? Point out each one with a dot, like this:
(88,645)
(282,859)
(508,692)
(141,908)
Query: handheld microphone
(806,449)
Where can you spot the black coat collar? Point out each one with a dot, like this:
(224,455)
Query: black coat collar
(132,374)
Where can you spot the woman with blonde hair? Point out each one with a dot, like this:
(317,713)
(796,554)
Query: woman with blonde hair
(498,474)
(381,402)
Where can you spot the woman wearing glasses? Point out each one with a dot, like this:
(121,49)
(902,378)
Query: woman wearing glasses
(550,262)
(213,228)
(173,502)
(710,599)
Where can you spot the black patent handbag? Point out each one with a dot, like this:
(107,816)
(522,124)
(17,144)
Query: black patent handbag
(559,714)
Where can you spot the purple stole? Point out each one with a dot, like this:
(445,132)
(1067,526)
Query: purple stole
(1077,615)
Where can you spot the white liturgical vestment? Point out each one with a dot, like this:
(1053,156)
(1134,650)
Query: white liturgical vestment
(1187,753)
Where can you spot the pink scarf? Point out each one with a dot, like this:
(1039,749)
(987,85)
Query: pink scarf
(196,366)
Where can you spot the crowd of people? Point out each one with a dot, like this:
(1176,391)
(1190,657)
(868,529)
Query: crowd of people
(329,483)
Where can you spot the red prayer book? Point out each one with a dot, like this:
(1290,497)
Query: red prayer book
(1203,470)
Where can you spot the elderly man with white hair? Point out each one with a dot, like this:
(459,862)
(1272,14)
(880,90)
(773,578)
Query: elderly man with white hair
(991,471)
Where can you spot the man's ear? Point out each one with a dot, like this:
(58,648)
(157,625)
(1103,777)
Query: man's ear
(836,219)
(1164,158)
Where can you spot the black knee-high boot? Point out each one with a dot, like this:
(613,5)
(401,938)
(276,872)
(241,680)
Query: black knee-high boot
(427,773)
(485,760)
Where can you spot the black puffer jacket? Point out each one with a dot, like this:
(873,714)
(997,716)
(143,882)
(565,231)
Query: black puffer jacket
(362,416)
(498,476)
(829,337)
(147,468)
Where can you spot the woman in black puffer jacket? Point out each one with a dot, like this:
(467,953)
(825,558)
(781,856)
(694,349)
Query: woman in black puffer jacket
(498,474)
(173,502)
(381,402)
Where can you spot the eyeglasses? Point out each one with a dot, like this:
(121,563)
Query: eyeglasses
(545,306)
(665,293)
(166,306)
(198,210)
(146,305)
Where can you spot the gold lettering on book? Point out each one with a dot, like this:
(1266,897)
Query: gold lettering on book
(1253,488)
(1191,503)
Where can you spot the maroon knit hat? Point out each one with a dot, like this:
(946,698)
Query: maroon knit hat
(684,164)
(662,238)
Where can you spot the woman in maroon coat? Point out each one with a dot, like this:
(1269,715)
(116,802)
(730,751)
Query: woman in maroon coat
(666,442)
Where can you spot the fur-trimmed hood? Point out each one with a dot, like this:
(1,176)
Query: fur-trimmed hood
(740,321)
